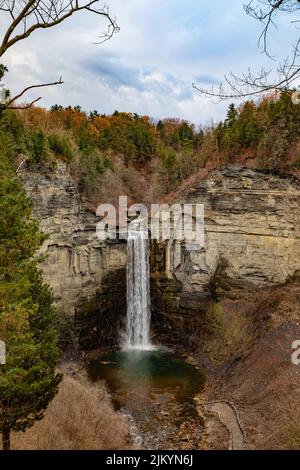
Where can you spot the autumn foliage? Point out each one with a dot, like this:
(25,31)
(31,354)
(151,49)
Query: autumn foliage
(125,153)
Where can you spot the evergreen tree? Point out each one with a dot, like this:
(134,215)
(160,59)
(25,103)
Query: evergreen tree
(28,380)
(160,125)
(231,115)
(39,147)
(186,135)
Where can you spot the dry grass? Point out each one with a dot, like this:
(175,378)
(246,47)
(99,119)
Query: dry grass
(241,322)
(80,417)
(232,336)
(263,382)
(235,338)
(292,440)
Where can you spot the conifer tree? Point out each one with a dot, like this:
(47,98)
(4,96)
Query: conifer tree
(28,380)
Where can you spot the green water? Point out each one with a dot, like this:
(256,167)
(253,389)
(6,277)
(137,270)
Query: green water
(148,370)
(157,388)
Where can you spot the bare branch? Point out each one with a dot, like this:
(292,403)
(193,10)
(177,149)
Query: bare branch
(32,15)
(19,95)
(27,16)
(23,160)
(11,103)
(249,84)
(24,106)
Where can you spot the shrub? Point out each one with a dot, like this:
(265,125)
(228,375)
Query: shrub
(39,147)
(60,146)
(85,140)
(12,133)
(80,417)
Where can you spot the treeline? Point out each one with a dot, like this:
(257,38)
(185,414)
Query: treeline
(268,131)
(109,155)
(127,153)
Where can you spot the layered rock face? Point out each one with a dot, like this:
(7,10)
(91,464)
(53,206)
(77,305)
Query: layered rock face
(252,239)
(252,232)
(86,274)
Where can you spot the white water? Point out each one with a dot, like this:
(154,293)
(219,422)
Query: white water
(138,292)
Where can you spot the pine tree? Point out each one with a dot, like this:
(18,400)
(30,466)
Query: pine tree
(231,116)
(28,380)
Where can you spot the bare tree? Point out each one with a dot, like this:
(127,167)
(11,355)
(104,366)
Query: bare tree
(24,17)
(252,84)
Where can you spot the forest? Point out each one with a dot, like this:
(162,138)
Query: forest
(141,157)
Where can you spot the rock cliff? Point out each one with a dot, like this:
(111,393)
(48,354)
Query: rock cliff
(87,275)
(252,240)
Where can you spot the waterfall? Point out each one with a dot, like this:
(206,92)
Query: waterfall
(138,292)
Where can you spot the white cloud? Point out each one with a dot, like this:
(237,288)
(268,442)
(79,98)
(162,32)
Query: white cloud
(150,65)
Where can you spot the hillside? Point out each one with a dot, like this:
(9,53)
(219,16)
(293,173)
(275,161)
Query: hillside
(129,154)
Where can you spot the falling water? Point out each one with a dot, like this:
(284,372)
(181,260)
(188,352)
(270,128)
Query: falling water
(138,292)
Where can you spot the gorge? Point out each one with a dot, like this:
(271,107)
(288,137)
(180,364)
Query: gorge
(215,306)
(119,331)
(251,241)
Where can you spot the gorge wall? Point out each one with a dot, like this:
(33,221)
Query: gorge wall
(87,275)
(252,233)
(252,240)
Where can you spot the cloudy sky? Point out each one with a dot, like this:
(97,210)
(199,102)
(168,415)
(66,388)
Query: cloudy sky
(149,66)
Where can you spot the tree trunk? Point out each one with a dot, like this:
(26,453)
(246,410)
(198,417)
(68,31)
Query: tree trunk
(6,439)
